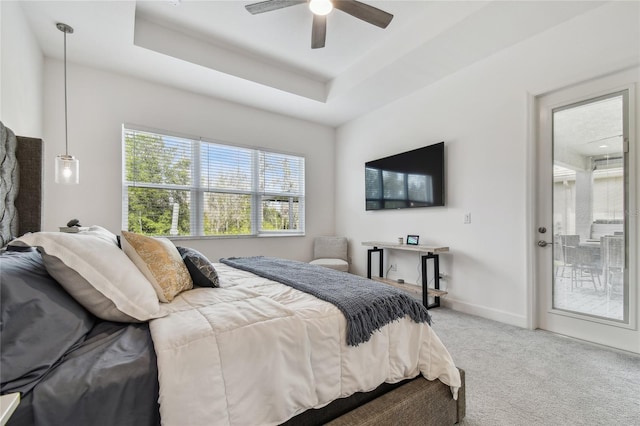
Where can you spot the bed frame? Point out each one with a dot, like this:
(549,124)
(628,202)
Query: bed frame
(411,402)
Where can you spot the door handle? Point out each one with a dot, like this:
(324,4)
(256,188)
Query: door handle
(543,243)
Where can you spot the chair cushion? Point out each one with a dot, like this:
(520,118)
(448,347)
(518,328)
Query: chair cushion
(330,248)
(337,264)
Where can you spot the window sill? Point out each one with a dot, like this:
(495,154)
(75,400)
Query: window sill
(227,237)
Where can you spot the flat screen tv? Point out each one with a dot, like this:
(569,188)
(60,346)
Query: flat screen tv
(410,179)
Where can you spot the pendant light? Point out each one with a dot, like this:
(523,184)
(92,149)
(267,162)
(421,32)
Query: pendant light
(67,166)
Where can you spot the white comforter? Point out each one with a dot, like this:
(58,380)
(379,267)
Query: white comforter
(257,352)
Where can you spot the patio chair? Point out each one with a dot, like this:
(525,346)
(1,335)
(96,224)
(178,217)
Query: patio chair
(612,249)
(583,261)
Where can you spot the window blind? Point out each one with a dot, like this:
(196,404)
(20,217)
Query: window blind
(178,186)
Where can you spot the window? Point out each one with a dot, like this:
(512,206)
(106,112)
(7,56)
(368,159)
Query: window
(175,186)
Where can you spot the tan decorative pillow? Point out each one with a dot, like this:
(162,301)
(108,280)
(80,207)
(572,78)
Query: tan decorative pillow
(158,260)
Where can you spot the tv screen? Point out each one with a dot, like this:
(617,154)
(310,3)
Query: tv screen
(410,179)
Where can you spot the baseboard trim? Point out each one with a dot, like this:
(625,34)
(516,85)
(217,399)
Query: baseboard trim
(484,312)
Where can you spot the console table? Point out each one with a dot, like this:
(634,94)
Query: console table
(429,253)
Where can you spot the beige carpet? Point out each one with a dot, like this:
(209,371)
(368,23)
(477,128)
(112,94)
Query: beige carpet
(522,377)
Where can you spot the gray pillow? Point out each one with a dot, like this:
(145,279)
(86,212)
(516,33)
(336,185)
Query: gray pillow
(40,320)
(200,268)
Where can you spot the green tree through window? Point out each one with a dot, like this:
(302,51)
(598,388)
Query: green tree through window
(182,187)
(151,210)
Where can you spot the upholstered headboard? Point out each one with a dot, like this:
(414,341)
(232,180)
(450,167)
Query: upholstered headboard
(29,201)
(20,185)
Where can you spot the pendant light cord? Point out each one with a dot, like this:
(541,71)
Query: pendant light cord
(66,132)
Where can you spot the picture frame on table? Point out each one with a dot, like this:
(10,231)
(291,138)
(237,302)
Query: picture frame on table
(412,240)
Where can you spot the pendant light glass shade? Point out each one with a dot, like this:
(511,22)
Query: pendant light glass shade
(67,166)
(67,169)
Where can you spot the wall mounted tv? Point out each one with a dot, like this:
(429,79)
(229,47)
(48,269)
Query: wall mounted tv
(410,179)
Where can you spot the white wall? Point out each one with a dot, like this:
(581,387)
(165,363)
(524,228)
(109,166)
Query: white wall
(20,73)
(482,115)
(100,102)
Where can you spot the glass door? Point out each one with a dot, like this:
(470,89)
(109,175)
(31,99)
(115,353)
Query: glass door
(589,239)
(583,186)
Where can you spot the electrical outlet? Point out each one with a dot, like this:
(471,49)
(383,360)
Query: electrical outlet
(467,218)
(394,267)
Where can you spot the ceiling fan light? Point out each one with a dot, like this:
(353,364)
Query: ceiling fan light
(321,7)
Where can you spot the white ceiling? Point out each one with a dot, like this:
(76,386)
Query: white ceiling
(217,48)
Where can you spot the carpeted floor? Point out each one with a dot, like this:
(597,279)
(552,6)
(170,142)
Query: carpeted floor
(522,377)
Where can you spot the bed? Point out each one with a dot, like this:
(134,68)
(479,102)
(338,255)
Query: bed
(247,350)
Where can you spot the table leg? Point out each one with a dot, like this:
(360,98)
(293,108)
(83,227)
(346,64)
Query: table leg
(369,253)
(425,281)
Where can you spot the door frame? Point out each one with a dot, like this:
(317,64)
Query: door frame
(624,80)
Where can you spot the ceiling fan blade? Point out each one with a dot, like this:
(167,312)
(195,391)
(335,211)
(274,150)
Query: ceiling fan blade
(269,5)
(318,31)
(367,13)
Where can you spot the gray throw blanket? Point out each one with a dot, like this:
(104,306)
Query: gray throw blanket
(367,305)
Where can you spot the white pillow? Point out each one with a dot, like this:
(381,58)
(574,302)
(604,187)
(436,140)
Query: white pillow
(95,272)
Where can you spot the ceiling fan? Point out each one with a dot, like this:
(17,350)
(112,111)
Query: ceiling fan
(321,9)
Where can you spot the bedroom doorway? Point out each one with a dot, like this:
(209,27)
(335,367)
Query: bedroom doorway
(584,244)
